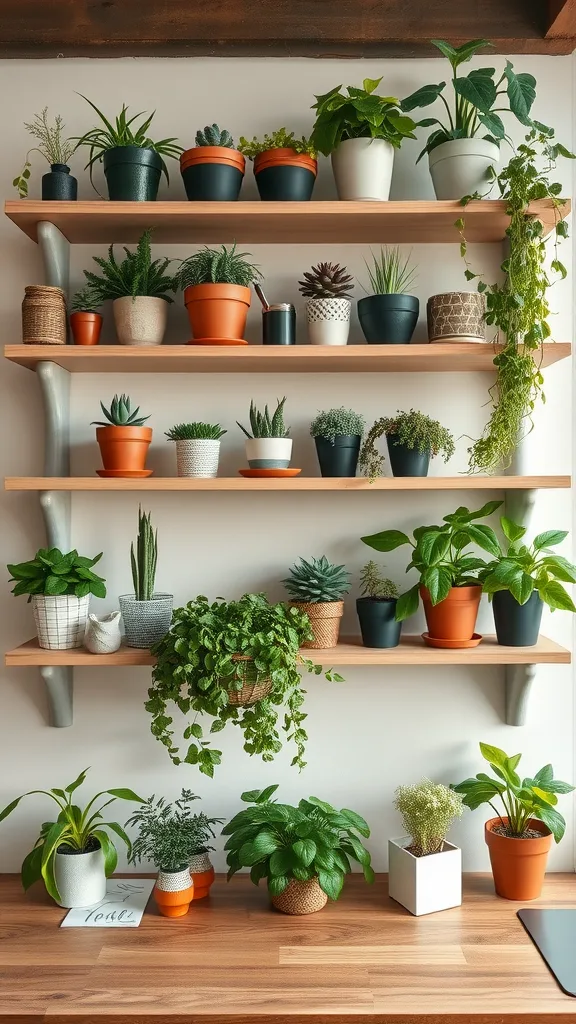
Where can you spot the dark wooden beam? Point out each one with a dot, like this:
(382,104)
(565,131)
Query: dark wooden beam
(562,19)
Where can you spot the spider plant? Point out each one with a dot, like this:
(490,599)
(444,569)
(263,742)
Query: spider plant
(389,274)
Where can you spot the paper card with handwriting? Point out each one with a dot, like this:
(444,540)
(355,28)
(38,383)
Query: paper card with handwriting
(122,906)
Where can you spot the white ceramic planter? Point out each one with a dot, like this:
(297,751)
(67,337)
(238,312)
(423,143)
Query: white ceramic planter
(268,452)
(60,621)
(80,878)
(103,633)
(424,885)
(197,458)
(140,321)
(363,169)
(460,167)
(328,321)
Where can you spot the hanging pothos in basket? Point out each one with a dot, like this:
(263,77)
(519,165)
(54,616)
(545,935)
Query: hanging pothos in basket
(518,307)
(239,662)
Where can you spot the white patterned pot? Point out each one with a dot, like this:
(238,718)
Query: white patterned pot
(268,452)
(60,621)
(363,169)
(140,320)
(427,884)
(460,167)
(103,634)
(197,457)
(328,321)
(80,878)
(173,892)
(146,622)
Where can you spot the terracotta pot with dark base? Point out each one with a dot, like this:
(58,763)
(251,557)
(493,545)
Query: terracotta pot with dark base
(212,173)
(518,865)
(282,175)
(453,619)
(124,449)
(217,311)
(86,328)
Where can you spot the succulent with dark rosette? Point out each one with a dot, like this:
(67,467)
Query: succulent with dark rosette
(121,414)
(327,281)
(214,136)
(317,581)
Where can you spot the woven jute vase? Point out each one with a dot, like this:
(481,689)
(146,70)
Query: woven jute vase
(253,688)
(43,315)
(325,622)
(456,316)
(301,898)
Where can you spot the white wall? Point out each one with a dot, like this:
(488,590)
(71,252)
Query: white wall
(380,728)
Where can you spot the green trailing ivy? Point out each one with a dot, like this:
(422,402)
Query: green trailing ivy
(523,569)
(411,429)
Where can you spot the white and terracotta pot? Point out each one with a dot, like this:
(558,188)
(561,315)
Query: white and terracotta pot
(363,169)
(173,892)
(460,167)
(456,316)
(202,872)
(103,634)
(197,457)
(328,321)
(60,621)
(268,452)
(427,884)
(80,878)
(140,320)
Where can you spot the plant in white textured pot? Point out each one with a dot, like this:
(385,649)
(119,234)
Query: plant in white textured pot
(197,448)
(147,614)
(425,871)
(268,446)
(327,288)
(59,587)
(74,855)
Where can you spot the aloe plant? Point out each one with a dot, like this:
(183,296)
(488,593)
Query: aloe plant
(265,425)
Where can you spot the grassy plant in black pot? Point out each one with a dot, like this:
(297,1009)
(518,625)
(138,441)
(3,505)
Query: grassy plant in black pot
(317,587)
(58,183)
(376,608)
(338,435)
(197,448)
(216,285)
(285,168)
(327,287)
(413,439)
(146,613)
(389,314)
(213,170)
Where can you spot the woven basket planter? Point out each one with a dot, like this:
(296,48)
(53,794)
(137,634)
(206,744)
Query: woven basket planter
(325,622)
(197,458)
(301,898)
(60,620)
(43,315)
(145,622)
(253,688)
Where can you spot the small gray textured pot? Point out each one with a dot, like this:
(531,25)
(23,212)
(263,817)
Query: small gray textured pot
(80,878)
(146,622)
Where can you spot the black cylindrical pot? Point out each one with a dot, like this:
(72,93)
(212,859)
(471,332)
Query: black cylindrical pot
(215,183)
(285,184)
(517,625)
(279,324)
(377,623)
(132,173)
(388,319)
(340,458)
(406,461)
(58,183)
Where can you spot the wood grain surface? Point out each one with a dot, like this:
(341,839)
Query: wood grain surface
(297,483)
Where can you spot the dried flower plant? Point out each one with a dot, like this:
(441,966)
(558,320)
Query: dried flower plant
(428,810)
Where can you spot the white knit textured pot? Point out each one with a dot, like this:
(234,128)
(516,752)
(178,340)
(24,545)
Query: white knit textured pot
(80,878)
(140,321)
(174,881)
(460,167)
(197,457)
(268,452)
(60,621)
(424,885)
(363,169)
(328,321)
(103,634)
(200,862)
(145,622)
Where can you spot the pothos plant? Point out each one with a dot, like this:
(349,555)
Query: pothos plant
(214,650)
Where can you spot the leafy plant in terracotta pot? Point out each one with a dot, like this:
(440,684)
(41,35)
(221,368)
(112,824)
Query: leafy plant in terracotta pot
(520,839)
(388,314)
(338,436)
(327,287)
(413,439)
(216,285)
(197,448)
(317,588)
(146,613)
(123,439)
(303,852)
(285,168)
(214,169)
(85,320)
(267,444)
(58,183)
(376,608)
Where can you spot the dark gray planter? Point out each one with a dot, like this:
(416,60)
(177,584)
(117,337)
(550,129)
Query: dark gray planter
(517,625)
(59,184)
(377,623)
(388,319)
(132,173)
(406,461)
(340,458)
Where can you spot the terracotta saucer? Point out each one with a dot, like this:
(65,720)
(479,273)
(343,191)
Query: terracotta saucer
(128,474)
(256,474)
(217,341)
(452,644)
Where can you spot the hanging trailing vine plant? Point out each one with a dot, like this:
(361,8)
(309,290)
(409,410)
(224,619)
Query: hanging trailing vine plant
(519,307)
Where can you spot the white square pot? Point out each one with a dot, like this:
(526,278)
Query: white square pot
(424,885)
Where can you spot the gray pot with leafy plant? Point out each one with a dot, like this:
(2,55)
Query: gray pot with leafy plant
(267,445)
(197,448)
(388,315)
(377,608)
(216,285)
(413,439)
(301,875)
(317,588)
(327,287)
(213,170)
(59,588)
(85,320)
(360,131)
(338,436)
(58,183)
(285,168)
(123,439)
(146,614)
(75,854)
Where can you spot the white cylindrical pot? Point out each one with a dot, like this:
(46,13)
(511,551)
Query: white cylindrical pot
(460,167)
(80,878)
(60,621)
(197,457)
(146,622)
(140,320)
(268,452)
(103,633)
(427,884)
(363,169)
(328,321)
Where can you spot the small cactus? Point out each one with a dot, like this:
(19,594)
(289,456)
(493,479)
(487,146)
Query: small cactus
(213,136)
(144,559)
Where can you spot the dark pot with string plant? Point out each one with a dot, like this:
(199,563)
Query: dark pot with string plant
(285,168)
(388,315)
(57,183)
(413,439)
(376,608)
(338,435)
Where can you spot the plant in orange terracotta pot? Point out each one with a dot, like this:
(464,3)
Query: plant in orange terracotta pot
(213,170)
(520,839)
(216,285)
(285,168)
(123,439)
(85,320)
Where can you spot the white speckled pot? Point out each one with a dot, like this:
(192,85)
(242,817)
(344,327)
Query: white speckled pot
(80,878)
(140,321)
(197,457)
(328,321)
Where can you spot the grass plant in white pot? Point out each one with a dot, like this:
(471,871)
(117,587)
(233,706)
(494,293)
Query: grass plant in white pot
(197,448)
(147,614)
(327,288)
(268,446)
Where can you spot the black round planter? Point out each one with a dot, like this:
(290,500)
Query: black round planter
(377,623)
(388,319)
(285,184)
(213,183)
(58,183)
(132,173)
(340,458)
(407,461)
(517,625)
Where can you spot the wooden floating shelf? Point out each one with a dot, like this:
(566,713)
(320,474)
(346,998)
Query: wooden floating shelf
(410,221)
(298,483)
(411,651)
(441,358)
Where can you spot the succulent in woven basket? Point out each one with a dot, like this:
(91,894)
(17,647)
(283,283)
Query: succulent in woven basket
(317,581)
(280,139)
(121,414)
(327,281)
(214,136)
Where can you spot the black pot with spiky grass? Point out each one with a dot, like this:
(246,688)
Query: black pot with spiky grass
(327,287)
(317,587)
(376,609)
(213,170)
(388,315)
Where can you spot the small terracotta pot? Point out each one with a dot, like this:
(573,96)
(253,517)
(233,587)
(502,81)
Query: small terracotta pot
(455,617)
(217,310)
(86,328)
(212,173)
(282,175)
(124,449)
(518,865)
(325,619)
(202,875)
(172,892)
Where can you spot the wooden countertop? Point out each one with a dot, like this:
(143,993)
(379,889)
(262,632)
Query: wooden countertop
(232,959)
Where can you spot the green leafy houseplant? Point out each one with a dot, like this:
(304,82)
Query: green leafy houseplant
(375,585)
(217,266)
(412,430)
(280,139)
(333,423)
(389,274)
(75,831)
(428,810)
(358,114)
(136,274)
(195,432)
(280,842)
(53,573)
(262,424)
(120,414)
(524,569)
(51,145)
(85,300)
(169,834)
(214,136)
(317,581)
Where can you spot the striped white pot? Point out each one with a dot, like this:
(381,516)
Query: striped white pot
(80,878)
(268,452)
(60,621)
(197,457)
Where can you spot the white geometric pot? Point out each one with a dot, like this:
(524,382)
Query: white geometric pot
(363,169)
(460,167)
(424,885)
(140,320)
(328,321)
(60,621)
(103,634)
(80,878)
(268,452)
(197,458)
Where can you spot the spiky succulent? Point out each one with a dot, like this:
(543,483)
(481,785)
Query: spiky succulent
(327,281)
(214,136)
(121,414)
(374,584)
(217,266)
(195,432)
(265,425)
(85,301)
(317,581)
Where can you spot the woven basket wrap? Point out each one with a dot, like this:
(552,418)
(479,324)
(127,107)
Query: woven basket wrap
(252,690)
(325,622)
(43,316)
(301,898)
(197,458)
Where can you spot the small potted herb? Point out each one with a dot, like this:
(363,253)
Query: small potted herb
(213,170)
(58,183)
(377,608)
(302,875)
(123,439)
(146,613)
(425,871)
(519,840)
(85,320)
(388,314)
(216,285)
(327,287)
(285,168)
(268,445)
(197,448)
(317,588)
(413,439)
(58,587)
(338,436)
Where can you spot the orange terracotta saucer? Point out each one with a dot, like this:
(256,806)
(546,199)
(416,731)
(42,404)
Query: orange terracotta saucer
(217,341)
(266,473)
(452,644)
(129,474)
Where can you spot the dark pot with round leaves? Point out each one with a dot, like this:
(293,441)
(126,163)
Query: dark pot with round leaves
(377,609)
(338,436)
(413,439)
(388,315)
